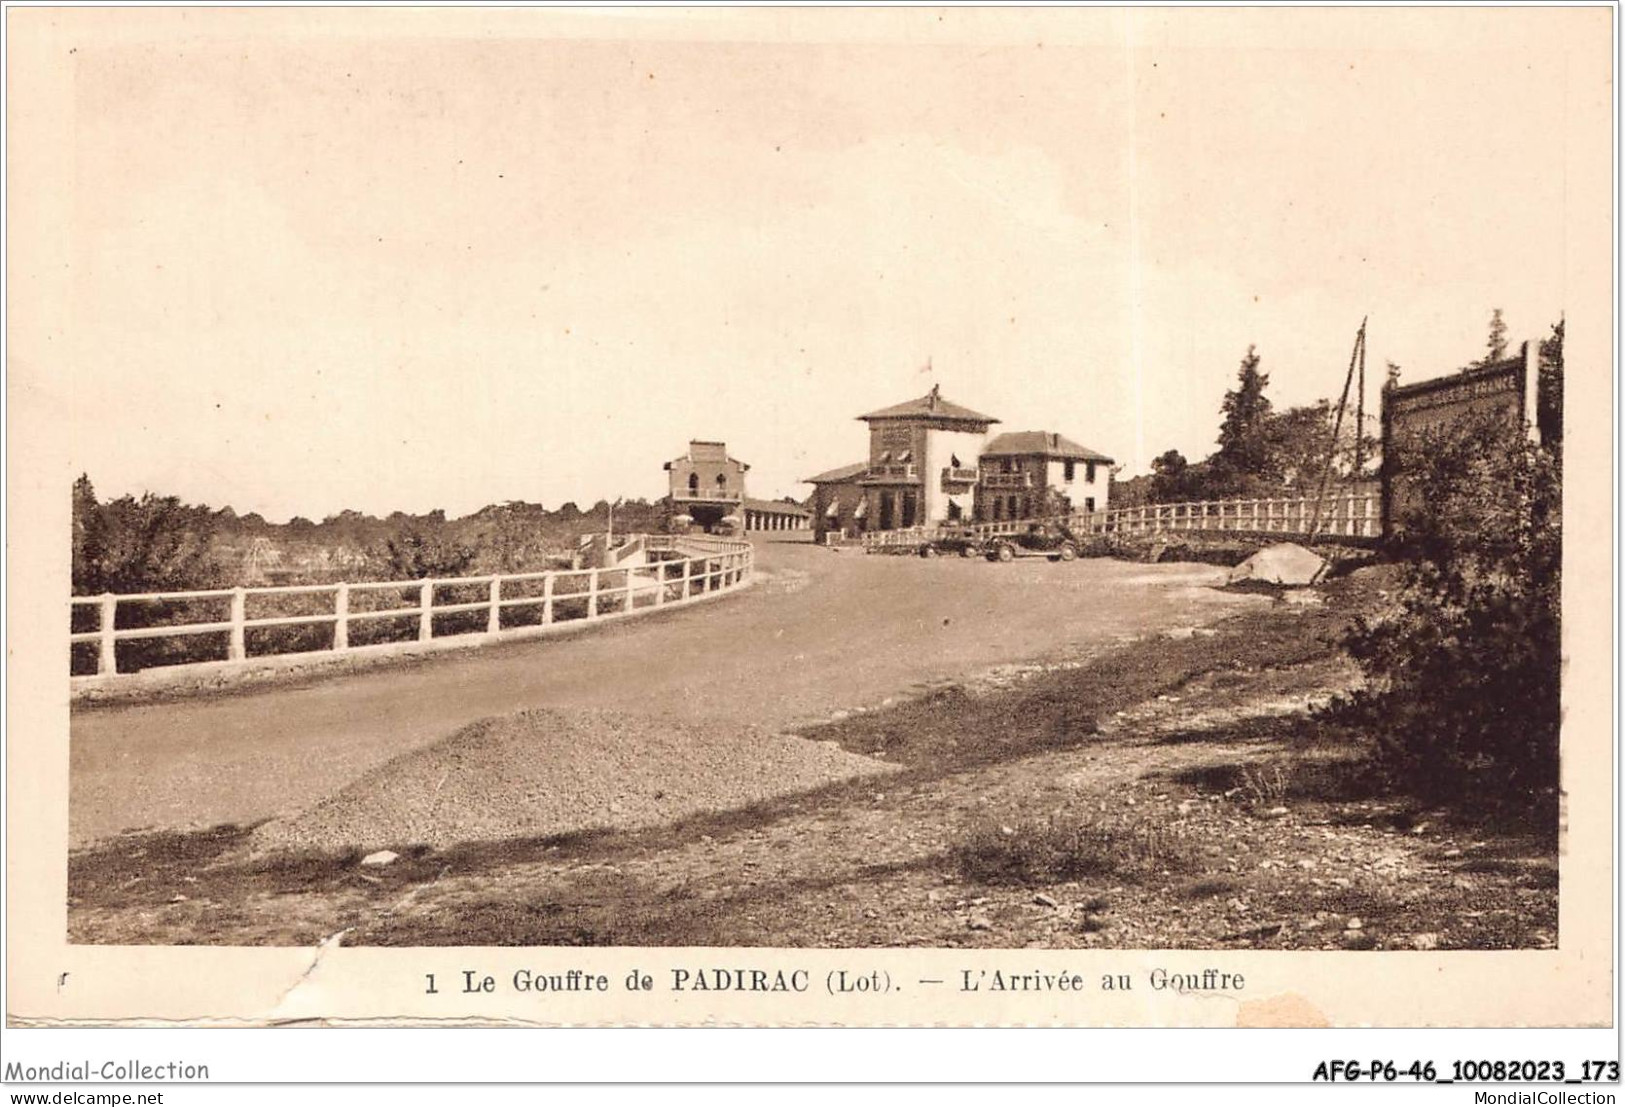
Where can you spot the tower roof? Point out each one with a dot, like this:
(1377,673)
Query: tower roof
(931,406)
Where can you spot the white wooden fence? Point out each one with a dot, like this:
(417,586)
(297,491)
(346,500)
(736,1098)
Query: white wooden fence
(1346,517)
(702,567)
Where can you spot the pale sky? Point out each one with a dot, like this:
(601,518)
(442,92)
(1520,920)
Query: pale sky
(313,271)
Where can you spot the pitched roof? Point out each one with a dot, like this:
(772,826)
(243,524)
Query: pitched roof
(778,506)
(836,476)
(931,406)
(1043,443)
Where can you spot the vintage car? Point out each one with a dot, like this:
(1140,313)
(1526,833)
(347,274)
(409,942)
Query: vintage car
(962,543)
(1049,540)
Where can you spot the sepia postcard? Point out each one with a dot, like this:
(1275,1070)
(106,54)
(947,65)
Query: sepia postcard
(810,517)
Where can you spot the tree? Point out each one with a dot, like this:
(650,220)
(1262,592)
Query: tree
(426,548)
(154,544)
(1300,446)
(1549,396)
(1243,456)
(1170,482)
(1497,343)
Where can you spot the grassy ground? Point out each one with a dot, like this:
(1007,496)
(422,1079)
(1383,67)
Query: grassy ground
(1171,793)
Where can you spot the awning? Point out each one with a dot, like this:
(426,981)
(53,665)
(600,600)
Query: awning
(863,507)
(833,511)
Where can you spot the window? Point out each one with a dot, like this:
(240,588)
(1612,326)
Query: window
(1071,471)
(693,484)
(1089,504)
(722,481)
(1007,465)
(953,460)
(1089,472)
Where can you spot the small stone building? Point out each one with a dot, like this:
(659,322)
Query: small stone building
(838,502)
(707,488)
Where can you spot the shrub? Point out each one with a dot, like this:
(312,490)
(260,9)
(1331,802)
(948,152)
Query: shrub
(1463,672)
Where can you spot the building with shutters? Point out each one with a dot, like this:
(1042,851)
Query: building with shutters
(1027,474)
(931,462)
(922,462)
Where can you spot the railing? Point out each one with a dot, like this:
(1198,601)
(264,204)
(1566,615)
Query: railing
(718,496)
(1007,480)
(1345,517)
(514,605)
(903,536)
(1351,515)
(959,474)
(893,472)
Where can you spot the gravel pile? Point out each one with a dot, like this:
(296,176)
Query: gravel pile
(544,772)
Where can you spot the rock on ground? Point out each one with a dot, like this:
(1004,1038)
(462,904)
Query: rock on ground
(1285,563)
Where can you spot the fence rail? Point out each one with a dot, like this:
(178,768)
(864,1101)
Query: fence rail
(1348,517)
(684,569)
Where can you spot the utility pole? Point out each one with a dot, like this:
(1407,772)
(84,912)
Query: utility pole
(1359,414)
(1356,357)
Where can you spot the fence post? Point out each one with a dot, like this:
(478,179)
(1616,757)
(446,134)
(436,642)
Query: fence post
(238,650)
(341,617)
(547,600)
(592,595)
(688,576)
(426,611)
(493,624)
(660,593)
(107,663)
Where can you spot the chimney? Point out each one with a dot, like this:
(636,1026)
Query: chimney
(1054,441)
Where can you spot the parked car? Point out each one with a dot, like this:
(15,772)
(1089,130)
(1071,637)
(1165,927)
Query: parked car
(965,545)
(1049,540)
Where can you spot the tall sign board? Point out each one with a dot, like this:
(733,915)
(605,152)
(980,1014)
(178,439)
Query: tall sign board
(1413,413)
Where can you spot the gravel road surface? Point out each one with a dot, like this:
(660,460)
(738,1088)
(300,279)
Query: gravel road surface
(819,633)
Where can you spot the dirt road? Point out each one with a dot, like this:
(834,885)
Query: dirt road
(819,633)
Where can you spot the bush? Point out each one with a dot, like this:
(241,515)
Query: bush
(1463,673)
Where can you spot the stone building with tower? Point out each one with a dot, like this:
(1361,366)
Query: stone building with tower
(930,462)
(922,462)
